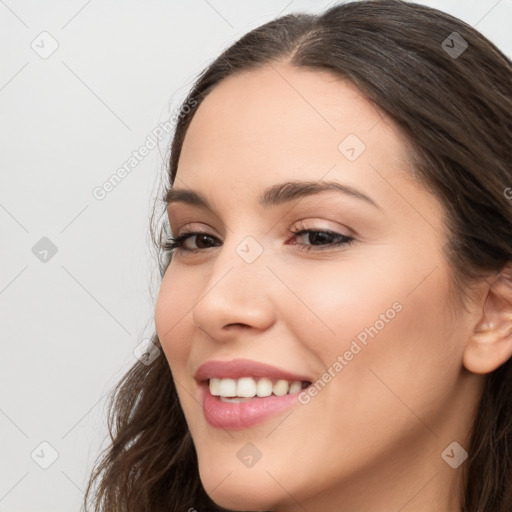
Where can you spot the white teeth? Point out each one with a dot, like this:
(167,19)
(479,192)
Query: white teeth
(214,387)
(247,387)
(295,387)
(280,388)
(233,400)
(227,387)
(264,387)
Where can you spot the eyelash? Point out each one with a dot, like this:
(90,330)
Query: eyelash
(177,243)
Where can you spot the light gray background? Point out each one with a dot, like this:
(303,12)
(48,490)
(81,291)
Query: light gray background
(69,121)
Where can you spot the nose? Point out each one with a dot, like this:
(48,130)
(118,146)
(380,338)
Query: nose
(237,298)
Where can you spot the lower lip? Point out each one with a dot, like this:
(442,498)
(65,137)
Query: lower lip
(237,416)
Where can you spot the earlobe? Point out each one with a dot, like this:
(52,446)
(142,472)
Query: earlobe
(490,343)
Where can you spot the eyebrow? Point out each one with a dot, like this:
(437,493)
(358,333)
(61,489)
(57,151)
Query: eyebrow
(276,194)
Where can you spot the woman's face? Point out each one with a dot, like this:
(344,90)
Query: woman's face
(368,323)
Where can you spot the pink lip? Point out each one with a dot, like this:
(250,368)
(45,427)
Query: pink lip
(236,416)
(236,368)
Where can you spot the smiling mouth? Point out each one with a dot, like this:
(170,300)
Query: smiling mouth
(245,389)
(235,412)
(242,393)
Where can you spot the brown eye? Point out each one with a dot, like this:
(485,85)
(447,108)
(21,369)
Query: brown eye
(178,243)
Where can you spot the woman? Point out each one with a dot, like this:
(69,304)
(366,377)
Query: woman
(335,309)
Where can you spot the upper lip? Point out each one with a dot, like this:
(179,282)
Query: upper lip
(237,368)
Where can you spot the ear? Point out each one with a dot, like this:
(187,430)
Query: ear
(490,344)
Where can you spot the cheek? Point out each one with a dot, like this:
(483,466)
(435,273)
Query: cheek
(384,328)
(342,300)
(171,320)
(388,356)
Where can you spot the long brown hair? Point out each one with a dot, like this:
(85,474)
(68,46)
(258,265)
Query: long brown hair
(453,105)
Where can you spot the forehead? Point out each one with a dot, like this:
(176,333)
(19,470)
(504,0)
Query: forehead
(282,122)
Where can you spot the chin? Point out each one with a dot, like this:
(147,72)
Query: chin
(244,489)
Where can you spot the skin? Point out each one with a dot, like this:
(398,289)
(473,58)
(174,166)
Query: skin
(372,438)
